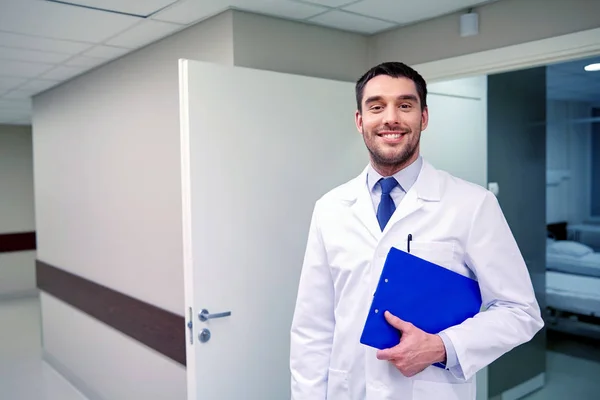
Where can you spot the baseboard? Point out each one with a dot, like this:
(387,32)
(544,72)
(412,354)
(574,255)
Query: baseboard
(22,294)
(75,381)
(525,388)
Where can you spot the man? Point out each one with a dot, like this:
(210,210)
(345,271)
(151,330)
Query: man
(453,223)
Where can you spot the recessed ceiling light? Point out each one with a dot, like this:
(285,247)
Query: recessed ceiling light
(592,67)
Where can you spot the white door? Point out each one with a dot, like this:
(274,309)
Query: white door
(456,138)
(258,149)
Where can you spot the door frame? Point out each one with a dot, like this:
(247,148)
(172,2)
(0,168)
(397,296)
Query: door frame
(567,47)
(531,54)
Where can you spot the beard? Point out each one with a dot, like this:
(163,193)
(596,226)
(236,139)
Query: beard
(398,158)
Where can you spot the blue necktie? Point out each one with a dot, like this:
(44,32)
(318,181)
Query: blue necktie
(386,205)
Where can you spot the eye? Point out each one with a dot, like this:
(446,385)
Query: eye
(376,108)
(406,106)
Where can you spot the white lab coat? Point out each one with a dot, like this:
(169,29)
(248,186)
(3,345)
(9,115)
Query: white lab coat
(453,223)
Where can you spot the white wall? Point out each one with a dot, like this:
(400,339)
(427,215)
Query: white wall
(108,204)
(284,46)
(502,23)
(567,154)
(16,179)
(17,269)
(17,274)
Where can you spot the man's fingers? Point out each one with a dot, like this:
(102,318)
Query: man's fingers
(396,322)
(384,355)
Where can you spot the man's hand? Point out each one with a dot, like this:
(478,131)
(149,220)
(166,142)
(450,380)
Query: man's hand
(417,349)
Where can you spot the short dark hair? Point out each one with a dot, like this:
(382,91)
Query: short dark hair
(395,70)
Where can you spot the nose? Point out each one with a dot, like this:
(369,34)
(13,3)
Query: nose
(391,116)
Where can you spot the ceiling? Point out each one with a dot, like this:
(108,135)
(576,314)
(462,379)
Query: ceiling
(569,81)
(46,42)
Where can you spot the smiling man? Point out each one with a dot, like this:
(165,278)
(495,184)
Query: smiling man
(453,223)
(391,119)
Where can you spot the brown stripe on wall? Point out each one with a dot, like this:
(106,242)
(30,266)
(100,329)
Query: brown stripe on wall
(22,241)
(158,329)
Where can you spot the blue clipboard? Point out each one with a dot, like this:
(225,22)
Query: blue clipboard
(425,294)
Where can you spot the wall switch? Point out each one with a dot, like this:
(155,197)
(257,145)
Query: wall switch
(494,188)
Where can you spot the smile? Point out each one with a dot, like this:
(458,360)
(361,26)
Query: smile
(391,135)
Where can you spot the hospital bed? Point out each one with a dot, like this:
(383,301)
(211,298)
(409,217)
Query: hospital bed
(573,278)
(572,286)
(576,231)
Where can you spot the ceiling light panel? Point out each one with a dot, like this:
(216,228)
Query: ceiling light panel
(575,66)
(592,67)
(61,21)
(132,7)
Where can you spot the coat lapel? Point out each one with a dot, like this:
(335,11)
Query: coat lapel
(410,204)
(361,204)
(364,211)
(426,188)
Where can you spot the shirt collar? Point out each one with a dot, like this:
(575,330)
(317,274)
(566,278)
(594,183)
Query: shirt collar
(406,177)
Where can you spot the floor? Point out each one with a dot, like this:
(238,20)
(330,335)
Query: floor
(23,373)
(568,377)
(575,346)
(573,365)
(573,369)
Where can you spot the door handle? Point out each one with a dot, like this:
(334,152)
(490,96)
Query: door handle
(205,315)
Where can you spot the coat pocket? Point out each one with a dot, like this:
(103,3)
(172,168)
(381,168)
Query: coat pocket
(431,390)
(337,385)
(444,254)
(440,253)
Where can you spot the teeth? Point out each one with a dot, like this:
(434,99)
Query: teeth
(393,136)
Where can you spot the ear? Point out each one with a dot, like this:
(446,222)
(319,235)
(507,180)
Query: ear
(424,118)
(359,121)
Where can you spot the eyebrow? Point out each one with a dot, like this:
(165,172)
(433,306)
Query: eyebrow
(409,97)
